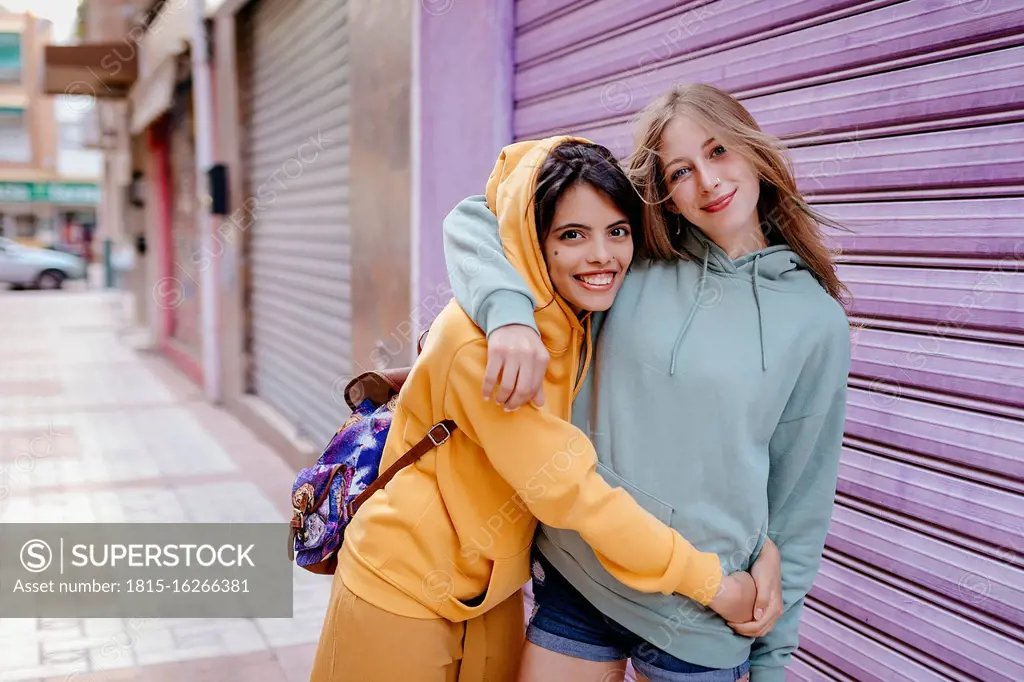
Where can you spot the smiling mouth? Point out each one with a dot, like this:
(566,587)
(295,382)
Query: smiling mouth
(718,204)
(601,281)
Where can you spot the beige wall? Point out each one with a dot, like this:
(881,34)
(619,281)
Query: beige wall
(380,68)
(111,21)
(40,118)
(43,117)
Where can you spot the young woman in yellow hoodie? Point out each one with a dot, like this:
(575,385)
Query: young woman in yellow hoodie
(429,576)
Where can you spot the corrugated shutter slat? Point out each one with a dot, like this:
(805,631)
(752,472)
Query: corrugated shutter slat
(297,160)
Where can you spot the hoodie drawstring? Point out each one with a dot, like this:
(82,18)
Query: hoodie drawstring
(755,280)
(693,311)
(760,317)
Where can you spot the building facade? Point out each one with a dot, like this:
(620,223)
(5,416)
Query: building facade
(48,191)
(349,129)
(134,62)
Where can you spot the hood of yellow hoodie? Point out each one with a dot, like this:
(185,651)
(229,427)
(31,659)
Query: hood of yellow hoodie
(510,191)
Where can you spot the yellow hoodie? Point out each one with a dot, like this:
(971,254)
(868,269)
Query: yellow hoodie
(456,526)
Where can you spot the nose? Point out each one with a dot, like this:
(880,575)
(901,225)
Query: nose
(708,181)
(599,252)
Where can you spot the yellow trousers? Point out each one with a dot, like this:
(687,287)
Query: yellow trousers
(362,643)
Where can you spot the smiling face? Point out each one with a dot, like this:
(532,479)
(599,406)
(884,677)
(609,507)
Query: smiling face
(588,248)
(712,186)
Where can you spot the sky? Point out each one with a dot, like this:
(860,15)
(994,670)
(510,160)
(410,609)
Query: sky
(61,12)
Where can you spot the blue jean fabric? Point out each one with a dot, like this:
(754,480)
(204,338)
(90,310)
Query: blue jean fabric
(565,622)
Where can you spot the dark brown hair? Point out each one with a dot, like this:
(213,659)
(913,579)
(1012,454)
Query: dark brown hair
(574,162)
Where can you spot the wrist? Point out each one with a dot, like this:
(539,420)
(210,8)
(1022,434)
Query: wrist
(724,588)
(702,578)
(503,308)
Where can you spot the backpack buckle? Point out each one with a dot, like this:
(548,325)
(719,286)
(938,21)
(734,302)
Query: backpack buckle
(298,524)
(439,439)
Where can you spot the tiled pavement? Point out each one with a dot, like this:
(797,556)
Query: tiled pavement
(127,438)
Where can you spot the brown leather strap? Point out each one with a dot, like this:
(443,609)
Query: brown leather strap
(299,515)
(439,433)
(327,488)
(377,385)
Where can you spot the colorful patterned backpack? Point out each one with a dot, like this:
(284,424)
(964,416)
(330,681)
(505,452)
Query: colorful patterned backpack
(326,496)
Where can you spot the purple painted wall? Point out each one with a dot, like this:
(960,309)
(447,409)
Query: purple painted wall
(465,118)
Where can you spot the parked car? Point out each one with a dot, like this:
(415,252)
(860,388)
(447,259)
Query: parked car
(42,268)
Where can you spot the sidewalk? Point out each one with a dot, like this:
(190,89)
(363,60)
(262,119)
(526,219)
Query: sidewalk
(124,438)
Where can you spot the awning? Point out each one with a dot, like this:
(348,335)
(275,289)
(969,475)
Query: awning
(153,96)
(91,69)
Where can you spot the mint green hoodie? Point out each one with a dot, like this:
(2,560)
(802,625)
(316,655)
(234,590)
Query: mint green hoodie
(717,399)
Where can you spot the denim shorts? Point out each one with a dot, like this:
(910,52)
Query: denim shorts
(563,621)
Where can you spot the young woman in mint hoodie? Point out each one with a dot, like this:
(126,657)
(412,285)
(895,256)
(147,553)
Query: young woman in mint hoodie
(717,398)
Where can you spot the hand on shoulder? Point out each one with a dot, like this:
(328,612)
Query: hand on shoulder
(516,363)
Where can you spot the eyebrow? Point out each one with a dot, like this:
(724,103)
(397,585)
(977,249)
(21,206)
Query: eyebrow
(578,226)
(682,158)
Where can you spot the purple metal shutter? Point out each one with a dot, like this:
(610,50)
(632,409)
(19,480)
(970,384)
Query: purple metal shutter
(906,122)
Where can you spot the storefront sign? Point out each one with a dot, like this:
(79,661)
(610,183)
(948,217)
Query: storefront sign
(65,193)
(15,192)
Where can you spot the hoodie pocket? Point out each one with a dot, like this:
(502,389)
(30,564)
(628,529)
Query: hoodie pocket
(660,509)
(507,577)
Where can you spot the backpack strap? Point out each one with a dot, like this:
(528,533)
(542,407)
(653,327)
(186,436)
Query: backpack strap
(438,434)
(377,385)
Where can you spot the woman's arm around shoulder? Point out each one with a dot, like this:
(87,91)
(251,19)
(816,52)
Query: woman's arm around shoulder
(485,284)
(497,299)
(553,467)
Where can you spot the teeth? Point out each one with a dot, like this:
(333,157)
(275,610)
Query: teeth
(598,280)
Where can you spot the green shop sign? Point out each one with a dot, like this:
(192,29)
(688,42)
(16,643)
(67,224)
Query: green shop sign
(77,193)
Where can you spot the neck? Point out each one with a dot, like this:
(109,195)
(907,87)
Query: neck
(746,240)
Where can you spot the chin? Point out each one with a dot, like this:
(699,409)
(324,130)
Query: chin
(598,304)
(725,227)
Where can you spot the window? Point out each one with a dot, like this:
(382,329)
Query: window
(10,58)
(14,140)
(70,135)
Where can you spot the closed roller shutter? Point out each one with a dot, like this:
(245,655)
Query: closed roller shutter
(294,74)
(906,122)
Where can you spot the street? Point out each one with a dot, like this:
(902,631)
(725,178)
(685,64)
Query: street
(93,429)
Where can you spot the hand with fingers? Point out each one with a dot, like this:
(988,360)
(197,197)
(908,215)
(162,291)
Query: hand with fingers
(516,363)
(735,598)
(767,575)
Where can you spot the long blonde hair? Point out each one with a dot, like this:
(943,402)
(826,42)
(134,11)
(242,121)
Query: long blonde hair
(784,214)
